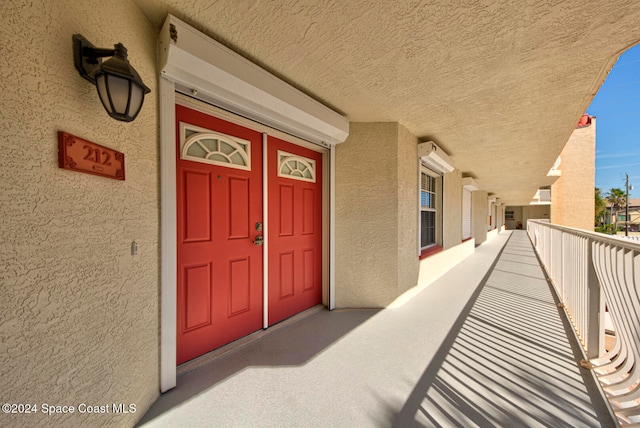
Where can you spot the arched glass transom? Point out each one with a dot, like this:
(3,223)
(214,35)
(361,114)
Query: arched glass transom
(296,167)
(206,146)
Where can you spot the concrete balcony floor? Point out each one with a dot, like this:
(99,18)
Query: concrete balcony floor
(485,345)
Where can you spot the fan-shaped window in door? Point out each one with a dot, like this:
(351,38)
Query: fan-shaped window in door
(203,145)
(296,167)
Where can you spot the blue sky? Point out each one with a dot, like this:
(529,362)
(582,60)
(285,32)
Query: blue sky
(617,109)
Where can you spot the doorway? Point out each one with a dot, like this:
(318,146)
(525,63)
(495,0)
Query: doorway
(225,251)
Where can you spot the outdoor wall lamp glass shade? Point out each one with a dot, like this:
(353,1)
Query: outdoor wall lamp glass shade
(119,85)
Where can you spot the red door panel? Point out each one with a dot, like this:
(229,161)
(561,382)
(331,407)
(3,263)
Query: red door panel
(295,232)
(197,291)
(220,293)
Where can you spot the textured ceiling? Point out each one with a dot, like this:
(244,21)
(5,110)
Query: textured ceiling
(498,85)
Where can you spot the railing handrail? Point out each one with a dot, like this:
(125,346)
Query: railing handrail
(603,237)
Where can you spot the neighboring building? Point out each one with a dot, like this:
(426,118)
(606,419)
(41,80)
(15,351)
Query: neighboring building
(569,199)
(247,200)
(634,215)
(572,195)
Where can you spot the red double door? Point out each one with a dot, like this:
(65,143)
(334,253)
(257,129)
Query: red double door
(220,228)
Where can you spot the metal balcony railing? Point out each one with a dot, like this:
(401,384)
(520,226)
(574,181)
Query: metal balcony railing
(597,279)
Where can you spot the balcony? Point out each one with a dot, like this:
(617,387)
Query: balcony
(487,344)
(597,279)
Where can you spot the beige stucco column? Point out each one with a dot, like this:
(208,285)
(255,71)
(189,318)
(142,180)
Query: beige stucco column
(479,216)
(376,215)
(452,209)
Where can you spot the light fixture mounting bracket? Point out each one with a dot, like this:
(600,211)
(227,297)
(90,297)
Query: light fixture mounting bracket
(87,58)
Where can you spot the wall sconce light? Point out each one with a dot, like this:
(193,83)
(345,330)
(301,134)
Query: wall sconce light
(120,87)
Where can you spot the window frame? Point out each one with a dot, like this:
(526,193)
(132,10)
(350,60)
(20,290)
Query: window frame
(435,206)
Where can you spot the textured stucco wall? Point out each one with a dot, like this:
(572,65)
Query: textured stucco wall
(377,214)
(500,216)
(78,312)
(452,212)
(479,216)
(367,216)
(408,262)
(572,195)
(535,212)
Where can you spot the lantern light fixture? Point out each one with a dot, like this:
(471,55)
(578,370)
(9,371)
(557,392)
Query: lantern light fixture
(119,85)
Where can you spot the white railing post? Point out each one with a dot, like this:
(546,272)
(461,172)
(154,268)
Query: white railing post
(558,266)
(595,309)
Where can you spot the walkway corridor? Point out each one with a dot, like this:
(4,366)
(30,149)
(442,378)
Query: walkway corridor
(485,345)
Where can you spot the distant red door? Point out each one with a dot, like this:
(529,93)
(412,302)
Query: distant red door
(219,204)
(295,229)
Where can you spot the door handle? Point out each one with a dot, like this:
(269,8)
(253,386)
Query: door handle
(259,240)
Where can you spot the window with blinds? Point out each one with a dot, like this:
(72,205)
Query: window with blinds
(428,194)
